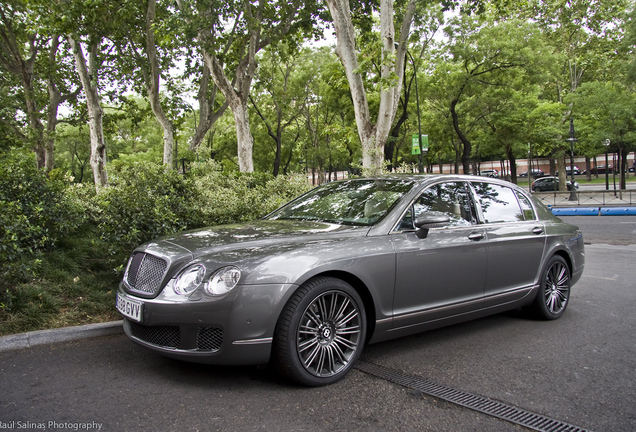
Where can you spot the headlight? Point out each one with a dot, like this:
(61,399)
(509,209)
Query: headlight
(224,280)
(189,279)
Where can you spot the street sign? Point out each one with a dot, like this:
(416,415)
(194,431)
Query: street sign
(416,144)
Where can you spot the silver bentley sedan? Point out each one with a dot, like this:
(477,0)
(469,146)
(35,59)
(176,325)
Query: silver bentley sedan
(349,263)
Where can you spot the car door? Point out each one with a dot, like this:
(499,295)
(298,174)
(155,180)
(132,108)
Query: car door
(516,240)
(443,274)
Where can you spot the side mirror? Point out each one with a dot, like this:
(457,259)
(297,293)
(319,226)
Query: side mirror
(426,222)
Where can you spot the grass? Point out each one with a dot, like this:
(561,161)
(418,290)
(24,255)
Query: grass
(75,285)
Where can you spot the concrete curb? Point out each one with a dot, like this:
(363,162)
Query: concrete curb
(42,337)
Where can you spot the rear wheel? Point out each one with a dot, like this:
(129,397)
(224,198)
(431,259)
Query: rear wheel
(320,333)
(554,292)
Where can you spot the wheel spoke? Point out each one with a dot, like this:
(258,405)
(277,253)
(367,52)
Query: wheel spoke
(306,344)
(351,315)
(312,355)
(345,342)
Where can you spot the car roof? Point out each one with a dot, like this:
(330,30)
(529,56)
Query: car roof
(421,179)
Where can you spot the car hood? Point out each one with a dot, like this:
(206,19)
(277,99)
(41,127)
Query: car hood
(257,234)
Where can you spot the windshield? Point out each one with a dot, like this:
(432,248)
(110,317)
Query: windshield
(352,202)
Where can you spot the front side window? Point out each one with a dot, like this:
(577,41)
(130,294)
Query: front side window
(449,199)
(498,203)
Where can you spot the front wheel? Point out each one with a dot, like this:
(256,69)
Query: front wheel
(320,333)
(554,291)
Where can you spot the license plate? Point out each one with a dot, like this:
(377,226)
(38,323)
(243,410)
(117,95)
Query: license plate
(130,308)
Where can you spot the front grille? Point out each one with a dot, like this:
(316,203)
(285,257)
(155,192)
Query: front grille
(163,336)
(209,339)
(145,272)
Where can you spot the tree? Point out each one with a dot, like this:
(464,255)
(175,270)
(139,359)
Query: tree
(32,56)
(230,34)
(485,56)
(585,35)
(373,135)
(279,96)
(150,47)
(88,77)
(86,30)
(609,111)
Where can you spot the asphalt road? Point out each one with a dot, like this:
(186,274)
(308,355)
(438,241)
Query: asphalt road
(615,230)
(579,369)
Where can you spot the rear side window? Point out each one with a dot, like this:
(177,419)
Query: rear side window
(499,204)
(526,207)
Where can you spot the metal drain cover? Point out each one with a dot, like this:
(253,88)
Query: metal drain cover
(481,404)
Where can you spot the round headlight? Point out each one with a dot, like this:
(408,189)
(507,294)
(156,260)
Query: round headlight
(189,279)
(224,280)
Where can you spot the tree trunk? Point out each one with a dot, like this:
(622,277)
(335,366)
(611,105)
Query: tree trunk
(244,137)
(16,64)
(238,104)
(207,115)
(152,88)
(513,164)
(561,169)
(88,77)
(373,138)
(460,134)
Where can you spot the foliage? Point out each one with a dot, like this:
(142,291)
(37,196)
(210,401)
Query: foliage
(64,246)
(233,197)
(143,201)
(34,214)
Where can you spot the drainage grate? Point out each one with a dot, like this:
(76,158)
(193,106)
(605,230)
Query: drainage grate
(477,403)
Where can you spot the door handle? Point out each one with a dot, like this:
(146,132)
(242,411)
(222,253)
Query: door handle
(537,230)
(476,236)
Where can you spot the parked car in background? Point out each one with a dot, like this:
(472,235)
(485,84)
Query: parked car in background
(489,173)
(550,183)
(536,173)
(600,169)
(568,170)
(349,263)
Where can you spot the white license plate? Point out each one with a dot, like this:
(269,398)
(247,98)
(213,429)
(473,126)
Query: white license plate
(130,308)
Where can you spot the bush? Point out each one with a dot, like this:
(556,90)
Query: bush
(235,197)
(34,214)
(142,201)
(59,244)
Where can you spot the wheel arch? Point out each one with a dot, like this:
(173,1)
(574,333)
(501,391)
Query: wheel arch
(566,256)
(361,289)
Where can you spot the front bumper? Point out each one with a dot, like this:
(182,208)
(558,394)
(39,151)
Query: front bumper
(235,329)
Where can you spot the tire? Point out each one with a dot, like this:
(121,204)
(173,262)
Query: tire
(554,290)
(320,333)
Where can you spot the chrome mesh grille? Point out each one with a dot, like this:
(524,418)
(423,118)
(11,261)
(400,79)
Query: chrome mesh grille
(209,339)
(163,336)
(145,273)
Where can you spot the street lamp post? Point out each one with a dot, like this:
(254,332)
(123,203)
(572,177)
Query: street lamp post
(530,167)
(572,140)
(419,124)
(606,143)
